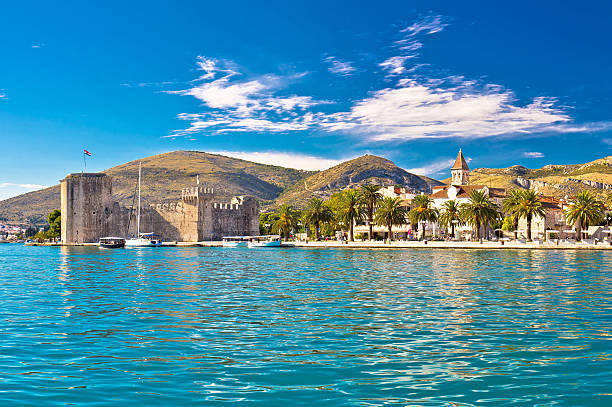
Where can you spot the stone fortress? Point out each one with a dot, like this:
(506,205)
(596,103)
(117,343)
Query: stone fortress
(89,212)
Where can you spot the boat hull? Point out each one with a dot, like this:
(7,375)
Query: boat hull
(112,245)
(142,243)
(234,244)
(254,245)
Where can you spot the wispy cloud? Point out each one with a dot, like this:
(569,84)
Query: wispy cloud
(237,104)
(342,68)
(533,154)
(408,107)
(25,186)
(2,94)
(35,46)
(289,160)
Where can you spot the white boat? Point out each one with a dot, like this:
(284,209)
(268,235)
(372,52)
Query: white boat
(142,239)
(235,241)
(264,241)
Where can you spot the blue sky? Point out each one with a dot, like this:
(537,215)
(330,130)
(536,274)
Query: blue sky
(304,84)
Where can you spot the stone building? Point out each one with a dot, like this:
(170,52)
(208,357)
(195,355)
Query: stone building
(89,212)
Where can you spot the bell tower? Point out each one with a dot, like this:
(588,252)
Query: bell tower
(460,172)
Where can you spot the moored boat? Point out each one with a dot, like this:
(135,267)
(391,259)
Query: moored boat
(144,240)
(111,242)
(264,241)
(235,241)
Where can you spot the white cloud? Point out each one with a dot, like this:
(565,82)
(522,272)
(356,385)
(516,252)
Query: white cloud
(414,107)
(420,110)
(533,154)
(427,25)
(10,189)
(289,160)
(24,186)
(395,65)
(35,46)
(2,95)
(338,67)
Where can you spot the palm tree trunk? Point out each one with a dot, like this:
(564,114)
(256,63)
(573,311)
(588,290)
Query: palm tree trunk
(370,219)
(477,224)
(317,233)
(529,228)
(579,231)
(452,230)
(351,239)
(390,227)
(423,234)
(515,221)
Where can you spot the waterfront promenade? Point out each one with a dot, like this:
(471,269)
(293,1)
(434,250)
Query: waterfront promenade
(414,244)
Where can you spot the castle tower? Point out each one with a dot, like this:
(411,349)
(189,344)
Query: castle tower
(86,203)
(460,171)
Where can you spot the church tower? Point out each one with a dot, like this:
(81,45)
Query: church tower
(460,171)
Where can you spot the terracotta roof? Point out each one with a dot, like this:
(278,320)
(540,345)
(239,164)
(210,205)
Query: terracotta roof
(463,191)
(460,163)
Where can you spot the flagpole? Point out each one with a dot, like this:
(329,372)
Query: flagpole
(84,162)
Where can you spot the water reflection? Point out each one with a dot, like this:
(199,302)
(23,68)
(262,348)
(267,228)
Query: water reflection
(334,327)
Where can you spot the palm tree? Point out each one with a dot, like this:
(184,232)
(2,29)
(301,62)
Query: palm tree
(390,213)
(287,220)
(529,205)
(371,198)
(584,210)
(350,209)
(317,213)
(422,212)
(480,210)
(451,215)
(510,205)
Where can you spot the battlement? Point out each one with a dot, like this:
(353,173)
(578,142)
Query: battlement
(193,193)
(228,206)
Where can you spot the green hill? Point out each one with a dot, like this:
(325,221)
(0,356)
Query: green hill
(362,170)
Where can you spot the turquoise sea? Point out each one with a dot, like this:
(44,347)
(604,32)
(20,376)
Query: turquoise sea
(326,327)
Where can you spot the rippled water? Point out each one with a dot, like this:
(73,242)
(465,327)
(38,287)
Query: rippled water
(186,326)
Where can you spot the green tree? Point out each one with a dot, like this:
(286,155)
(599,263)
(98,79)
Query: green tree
(350,209)
(55,224)
(451,215)
(584,210)
(479,210)
(266,221)
(316,214)
(287,220)
(422,212)
(391,212)
(510,205)
(371,197)
(529,205)
(508,224)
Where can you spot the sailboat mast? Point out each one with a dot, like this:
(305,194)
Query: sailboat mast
(138,220)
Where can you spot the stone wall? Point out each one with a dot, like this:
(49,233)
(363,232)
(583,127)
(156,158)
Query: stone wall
(91,214)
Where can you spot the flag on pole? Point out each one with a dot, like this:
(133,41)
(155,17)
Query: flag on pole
(87,153)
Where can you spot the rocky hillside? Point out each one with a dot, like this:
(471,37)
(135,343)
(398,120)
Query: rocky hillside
(555,180)
(368,169)
(164,175)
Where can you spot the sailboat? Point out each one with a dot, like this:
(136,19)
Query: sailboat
(142,239)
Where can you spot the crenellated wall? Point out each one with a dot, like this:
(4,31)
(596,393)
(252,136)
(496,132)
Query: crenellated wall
(87,198)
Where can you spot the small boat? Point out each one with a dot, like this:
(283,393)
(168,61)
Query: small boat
(264,241)
(111,242)
(235,241)
(144,240)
